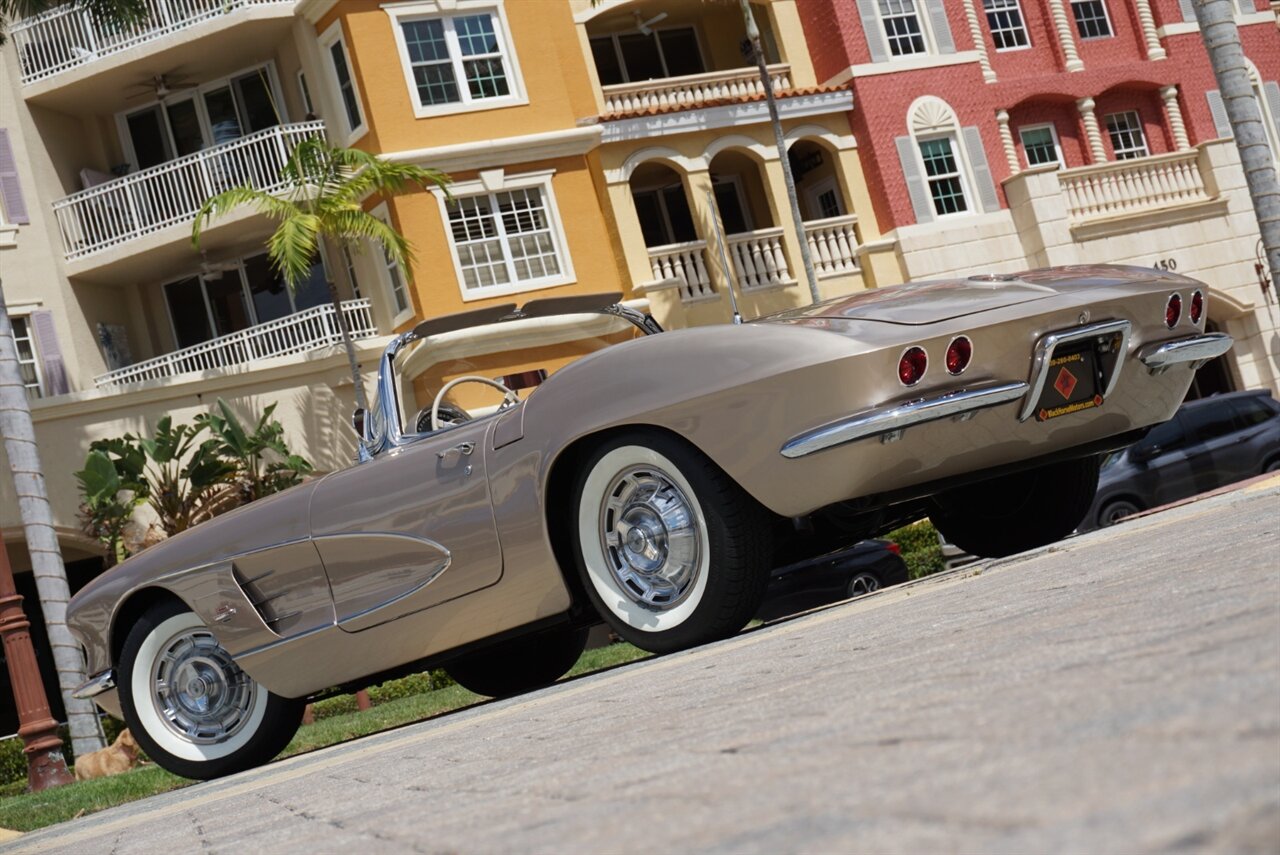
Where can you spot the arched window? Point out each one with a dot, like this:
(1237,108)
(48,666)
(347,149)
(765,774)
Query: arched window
(945,165)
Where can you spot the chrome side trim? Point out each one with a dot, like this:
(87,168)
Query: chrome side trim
(1050,341)
(896,417)
(96,685)
(1197,348)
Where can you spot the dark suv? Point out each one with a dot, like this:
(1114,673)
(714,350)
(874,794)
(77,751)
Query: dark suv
(1208,443)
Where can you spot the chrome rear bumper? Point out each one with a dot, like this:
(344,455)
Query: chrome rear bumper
(887,421)
(1196,349)
(96,685)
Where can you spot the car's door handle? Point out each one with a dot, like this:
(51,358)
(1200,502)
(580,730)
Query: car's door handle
(459,450)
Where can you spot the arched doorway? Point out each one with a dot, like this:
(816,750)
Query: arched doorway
(670,236)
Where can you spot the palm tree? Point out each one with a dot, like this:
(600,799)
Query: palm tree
(321,204)
(18,434)
(1222,41)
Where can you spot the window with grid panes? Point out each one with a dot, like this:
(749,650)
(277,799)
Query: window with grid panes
(902,27)
(1127,139)
(1008,29)
(1091,18)
(503,238)
(27,366)
(942,172)
(1040,146)
(457,60)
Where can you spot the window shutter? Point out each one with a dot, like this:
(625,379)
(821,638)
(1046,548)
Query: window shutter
(1219,112)
(920,201)
(940,26)
(55,372)
(1246,7)
(15,207)
(870,15)
(981,171)
(1271,89)
(1188,10)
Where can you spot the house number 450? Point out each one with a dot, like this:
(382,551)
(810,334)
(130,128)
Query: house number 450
(1166,264)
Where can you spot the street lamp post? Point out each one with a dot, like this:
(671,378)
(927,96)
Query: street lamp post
(45,764)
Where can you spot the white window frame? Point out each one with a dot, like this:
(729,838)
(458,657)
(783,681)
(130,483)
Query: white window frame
(35,361)
(926,34)
(449,9)
(1053,134)
(1016,5)
(329,38)
(815,193)
(384,264)
(962,174)
(1106,14)
(304,95)
(658,191)
(1145,151)
(490,183)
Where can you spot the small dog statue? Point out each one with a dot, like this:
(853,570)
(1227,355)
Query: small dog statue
(120,756)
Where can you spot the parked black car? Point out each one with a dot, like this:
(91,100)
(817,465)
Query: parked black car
(1209,443)
(867,566)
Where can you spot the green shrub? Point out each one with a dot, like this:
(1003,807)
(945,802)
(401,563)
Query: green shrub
(921,549)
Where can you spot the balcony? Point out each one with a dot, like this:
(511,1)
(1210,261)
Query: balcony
(68,36)
(304,331)
(687,263)
(112,214)
(759,261)
(693,90)
(833,245)
(1128,187)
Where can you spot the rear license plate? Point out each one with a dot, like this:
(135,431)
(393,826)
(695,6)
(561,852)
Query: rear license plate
(1072,384)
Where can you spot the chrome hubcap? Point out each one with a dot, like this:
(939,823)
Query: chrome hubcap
(649,531)
(200,693)
(863,584)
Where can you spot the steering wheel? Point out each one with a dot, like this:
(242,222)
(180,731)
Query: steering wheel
(509,398)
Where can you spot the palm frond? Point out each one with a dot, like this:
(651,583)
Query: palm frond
(228,200)
(356,224)
(293,246)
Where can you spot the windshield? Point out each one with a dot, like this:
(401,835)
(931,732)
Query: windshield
(518,355)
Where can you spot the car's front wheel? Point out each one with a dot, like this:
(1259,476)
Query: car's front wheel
(520,665)
(672,552)
(1113,512)
(191,708)
(1020,511)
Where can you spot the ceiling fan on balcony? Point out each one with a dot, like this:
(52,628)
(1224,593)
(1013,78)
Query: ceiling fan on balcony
(160,86)
(646,27)
(211,271)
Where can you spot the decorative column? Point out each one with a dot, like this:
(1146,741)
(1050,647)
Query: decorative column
(1006,139)
(45,765)
(1155,50)
(1174,113)
(1066,38)
(979,43)
(1097,151)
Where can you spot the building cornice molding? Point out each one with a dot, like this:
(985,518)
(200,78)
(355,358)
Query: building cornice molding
(463,157)
(314,10)
(918,63)
(725,116)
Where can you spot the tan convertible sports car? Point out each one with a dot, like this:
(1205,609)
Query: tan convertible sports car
(651,484)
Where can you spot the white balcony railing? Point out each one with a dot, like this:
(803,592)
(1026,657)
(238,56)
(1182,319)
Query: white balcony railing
(1133,186)
(138,204)
(759,259)
(297,333)
(833,245)
(686,262)
(692,90)
(68,36)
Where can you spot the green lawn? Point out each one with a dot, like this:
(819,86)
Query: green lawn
(29,811)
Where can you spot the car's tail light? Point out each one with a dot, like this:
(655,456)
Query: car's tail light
(1172,311)
(893,547)
(959,352)
(911,366)
(1196,312)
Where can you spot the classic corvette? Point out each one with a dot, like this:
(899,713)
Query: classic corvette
(651,484)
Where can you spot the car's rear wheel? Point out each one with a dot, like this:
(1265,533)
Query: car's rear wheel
(520,665)
(191,708)
(1020,511)
(1113,512)
(671,551)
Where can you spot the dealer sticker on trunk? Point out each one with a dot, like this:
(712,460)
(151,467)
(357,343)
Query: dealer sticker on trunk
(1072,385)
